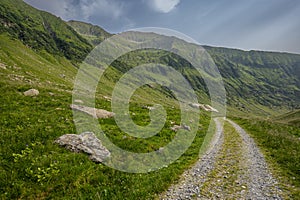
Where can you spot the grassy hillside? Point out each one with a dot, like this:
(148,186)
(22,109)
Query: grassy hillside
(32,167)
(253,80)
(94,34)
(291,118)
(38,50)
(41,31)
(261,82)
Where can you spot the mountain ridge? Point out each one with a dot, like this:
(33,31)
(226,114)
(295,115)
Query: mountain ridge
(253,79)
(41,30)
(94,34)
(46,57)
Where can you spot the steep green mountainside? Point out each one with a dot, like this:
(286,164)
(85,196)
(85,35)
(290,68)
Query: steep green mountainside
(256,82)
(40,51)
(291,118)
(41,30)
(259,78)
(94,34)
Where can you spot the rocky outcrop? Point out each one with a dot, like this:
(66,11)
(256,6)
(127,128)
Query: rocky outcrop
(31,93)
(96,113)
(204,107)
(86,142)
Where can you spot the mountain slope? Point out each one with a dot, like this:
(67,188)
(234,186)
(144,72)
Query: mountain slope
(41,30)
(256,82)
(269,87)
(38,50)
(260,83)
(263,78)
(94,34)
(291,118)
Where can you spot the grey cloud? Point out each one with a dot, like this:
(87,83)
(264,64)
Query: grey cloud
(163,6)
(81,9)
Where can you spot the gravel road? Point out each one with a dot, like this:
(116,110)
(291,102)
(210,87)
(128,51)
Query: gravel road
(191,181)
(259,182)
(261,185)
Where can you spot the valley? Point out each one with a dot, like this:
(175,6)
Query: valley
(255,155)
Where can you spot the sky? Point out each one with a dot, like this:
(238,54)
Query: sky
(269,25)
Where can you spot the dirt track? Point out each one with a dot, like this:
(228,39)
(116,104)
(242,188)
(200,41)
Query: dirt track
(232,168)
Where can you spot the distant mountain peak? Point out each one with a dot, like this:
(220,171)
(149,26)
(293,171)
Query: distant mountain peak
(93,33)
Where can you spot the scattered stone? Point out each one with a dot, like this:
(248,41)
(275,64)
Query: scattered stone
(86,142)
(29,73)
(51,93)
(209,108)
(177,127)
(31,93)
(195,105)
(16,67)
(149,107)
(2,66)
(204,107)
(78,101)
(15,77)
(160,150)
(185,127)
(150,85)
(107,98)
(96,113)
(63,75)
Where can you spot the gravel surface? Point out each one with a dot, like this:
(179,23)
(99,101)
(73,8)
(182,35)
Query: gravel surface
(261,185)
(259,182)
(191,181)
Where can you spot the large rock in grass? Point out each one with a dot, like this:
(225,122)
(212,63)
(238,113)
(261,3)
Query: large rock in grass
(204,107)
(31,93)
(86,142)
(96,113)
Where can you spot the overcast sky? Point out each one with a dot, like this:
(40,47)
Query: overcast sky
(272,25)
